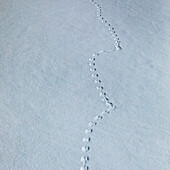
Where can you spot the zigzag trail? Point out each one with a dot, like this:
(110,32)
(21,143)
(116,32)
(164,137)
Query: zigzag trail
(99,87)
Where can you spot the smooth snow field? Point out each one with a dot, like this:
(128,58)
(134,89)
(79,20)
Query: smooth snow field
(56,57)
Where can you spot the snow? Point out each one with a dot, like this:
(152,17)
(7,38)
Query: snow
(47,96)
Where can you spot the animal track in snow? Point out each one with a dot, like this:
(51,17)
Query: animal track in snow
(110,106)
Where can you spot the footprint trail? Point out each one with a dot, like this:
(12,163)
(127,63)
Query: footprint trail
(110,106)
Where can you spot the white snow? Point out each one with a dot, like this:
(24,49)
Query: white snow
(47,96)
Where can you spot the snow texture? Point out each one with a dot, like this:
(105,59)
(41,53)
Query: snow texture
(47,97)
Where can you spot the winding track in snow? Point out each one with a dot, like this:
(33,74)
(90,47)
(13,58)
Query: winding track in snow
(99,87)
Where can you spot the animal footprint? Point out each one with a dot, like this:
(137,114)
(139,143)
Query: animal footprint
(99,87)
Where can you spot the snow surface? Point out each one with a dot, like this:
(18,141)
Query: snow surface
(47,96)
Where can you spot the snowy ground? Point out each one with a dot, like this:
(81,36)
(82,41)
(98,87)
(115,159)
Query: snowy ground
(47,96)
